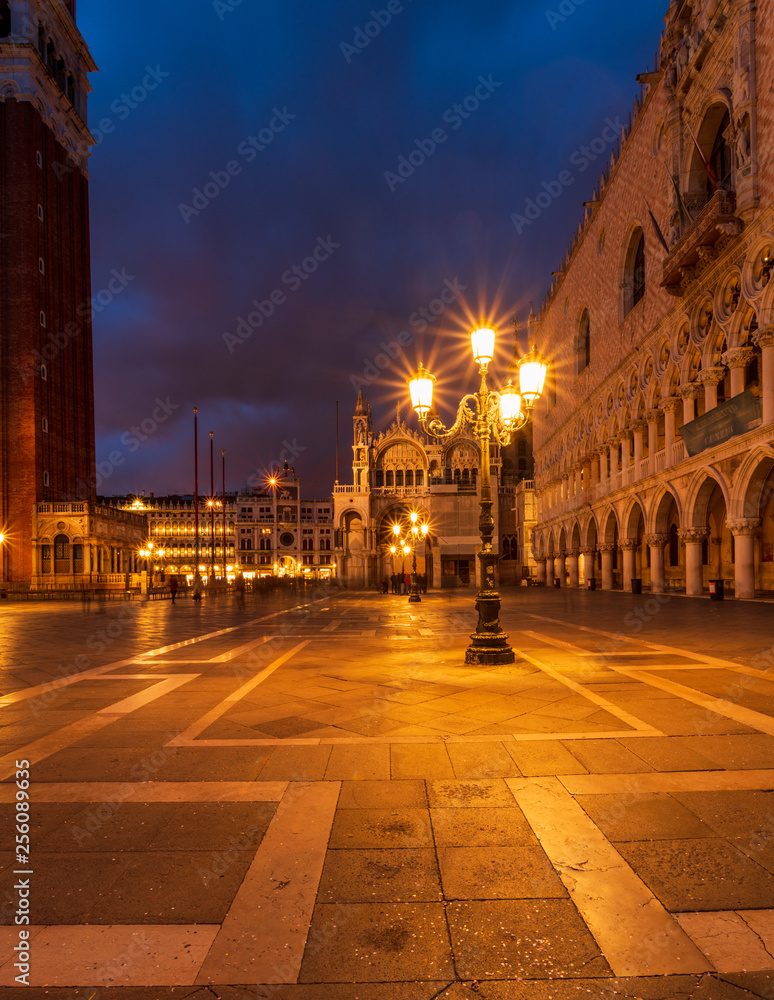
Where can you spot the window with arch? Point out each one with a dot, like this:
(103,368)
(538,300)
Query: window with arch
(390,478)
(720,158)
(399,478)
(420,477)
(583,346)
(409,477)
(379,483)
(633,284)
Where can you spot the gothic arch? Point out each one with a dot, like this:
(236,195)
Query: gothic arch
(747,495)
(699,493)
(632,270)
(661,507)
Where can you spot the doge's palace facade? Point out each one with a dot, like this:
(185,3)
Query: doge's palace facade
(654,456)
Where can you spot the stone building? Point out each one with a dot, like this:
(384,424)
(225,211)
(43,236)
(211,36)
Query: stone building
(654,442)
(399,470)
(54,535)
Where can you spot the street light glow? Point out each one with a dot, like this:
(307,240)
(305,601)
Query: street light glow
(483,341)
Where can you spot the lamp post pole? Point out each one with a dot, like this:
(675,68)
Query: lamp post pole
(196,497)
(491,413)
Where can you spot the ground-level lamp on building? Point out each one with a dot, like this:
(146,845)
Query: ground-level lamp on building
(491,414)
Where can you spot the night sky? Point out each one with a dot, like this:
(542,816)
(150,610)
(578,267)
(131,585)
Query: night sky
(304,126)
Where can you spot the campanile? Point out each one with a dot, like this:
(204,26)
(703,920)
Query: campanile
(46,383)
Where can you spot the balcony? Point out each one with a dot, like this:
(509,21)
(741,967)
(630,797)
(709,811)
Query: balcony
(715,220)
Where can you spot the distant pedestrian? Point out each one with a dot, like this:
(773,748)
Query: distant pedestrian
(385,585)
(173,587)
(197,589)
(86,600)
(423,583)
(406,583)
(240,588)
(394,582)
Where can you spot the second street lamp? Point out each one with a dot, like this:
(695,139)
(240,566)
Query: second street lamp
(492,414)
(408,545)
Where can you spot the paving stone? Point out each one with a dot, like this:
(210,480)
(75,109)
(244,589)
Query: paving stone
(699,875)
(498,873)
(67,886)
(606,757)
(715,988)
(532,939)
(367,828)
(470,794)
(760,984)
(358,763)
(734,752)
(492,827)
(667,754)
(381,942)
(368,794)
(407,875)
(420,760)
(481,760)
(642,817)
(659,988)
(739,813)
(296,764)
(544,757)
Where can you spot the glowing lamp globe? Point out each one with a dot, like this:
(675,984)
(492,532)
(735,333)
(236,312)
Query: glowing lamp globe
(482,342)
(510,405)
(421,390)
(532,376)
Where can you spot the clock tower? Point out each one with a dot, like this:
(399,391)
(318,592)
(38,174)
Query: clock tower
(46,382)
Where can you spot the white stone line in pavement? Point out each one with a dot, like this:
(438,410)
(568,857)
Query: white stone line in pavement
(619,637)
(152,791)
(592,696)
(633,930)
(62,738)
(331,627)
(727,709)
(238,650)
(647,782)
(265,930)
(215,713)
(118,955)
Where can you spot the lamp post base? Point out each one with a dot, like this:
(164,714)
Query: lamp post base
(489,644)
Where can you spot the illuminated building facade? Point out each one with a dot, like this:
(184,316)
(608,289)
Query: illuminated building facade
(654,445)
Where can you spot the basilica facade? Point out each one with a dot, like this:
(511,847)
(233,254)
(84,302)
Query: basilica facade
(654,444)
(398,470)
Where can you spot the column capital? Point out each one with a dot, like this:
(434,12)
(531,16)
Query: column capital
(693,534)
(690,390)
(651,416)
(660,538)
(589,551)
(712,376)
(738,357)
(639,425)
(744,526)
(574,552)
(669,403)
(764,337)
(607,547)
(629,544)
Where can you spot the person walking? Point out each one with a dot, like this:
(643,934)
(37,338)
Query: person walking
(173,587)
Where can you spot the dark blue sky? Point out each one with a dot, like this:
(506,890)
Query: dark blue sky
(328,124)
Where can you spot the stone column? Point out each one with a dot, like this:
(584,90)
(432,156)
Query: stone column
(689,392)
(656,545)
(764,338)
(629,548)
(607,565)
(588,564)
(549,571)
(626,442)
(737,360)
(652,418)
(744,531)
(578,481)
(572,567)
(709,378)
(638,427)
(586,481)
(694,576)
(669,404)
(613,456)
(559,568)
(540,570)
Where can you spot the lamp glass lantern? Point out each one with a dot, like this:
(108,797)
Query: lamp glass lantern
(533,369)
(421,391)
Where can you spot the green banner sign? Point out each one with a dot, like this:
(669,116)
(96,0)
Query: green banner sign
(727,420)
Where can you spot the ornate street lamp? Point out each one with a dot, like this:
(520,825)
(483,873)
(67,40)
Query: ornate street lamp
(408,545)
(491,413)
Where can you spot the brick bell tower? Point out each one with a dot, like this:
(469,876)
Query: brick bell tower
(46,383)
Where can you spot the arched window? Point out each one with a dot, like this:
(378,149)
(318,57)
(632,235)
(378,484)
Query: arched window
(720,159)
(399,478)
(522,447)
(390,478)
(633,278)
(583,347)
(420,477)
(638,272)
(379,478)
(5,18)
(409,477)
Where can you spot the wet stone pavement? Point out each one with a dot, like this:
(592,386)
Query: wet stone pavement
(309,795)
